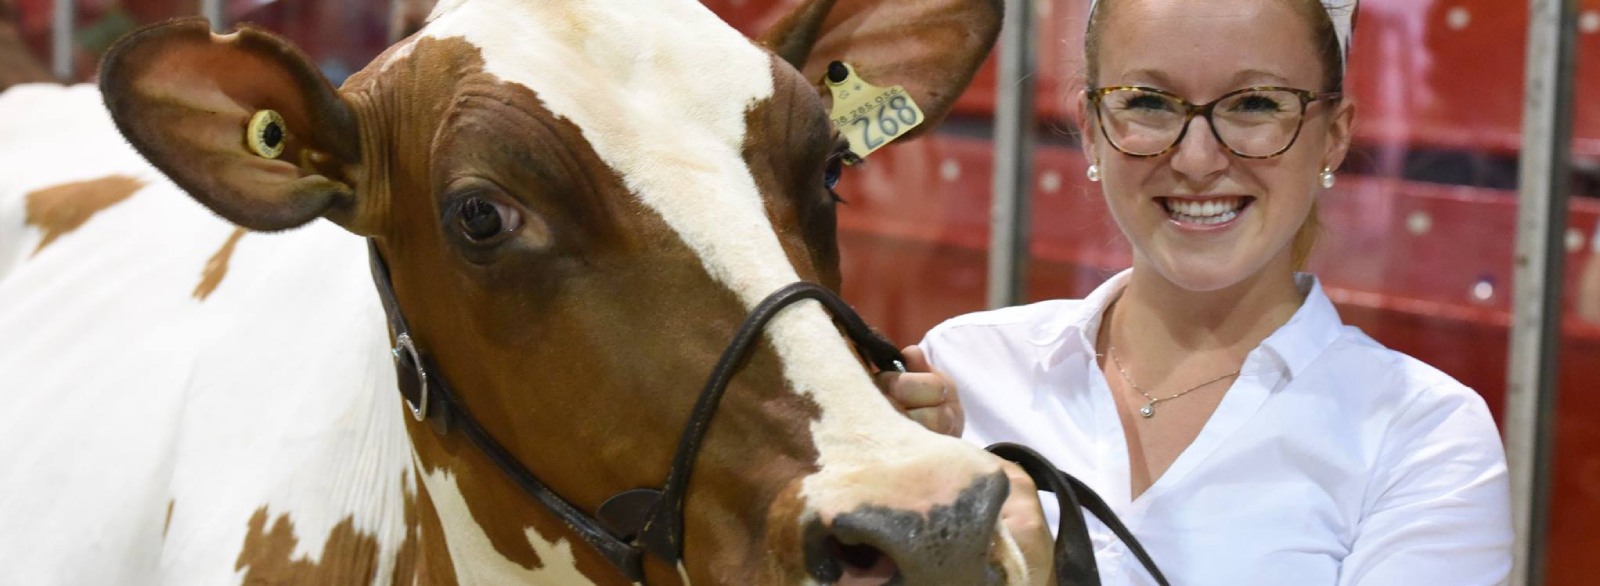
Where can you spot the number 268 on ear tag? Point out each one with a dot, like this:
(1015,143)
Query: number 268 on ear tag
(869,116)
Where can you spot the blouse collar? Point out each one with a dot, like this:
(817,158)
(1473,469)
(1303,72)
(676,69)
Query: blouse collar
(1313,327)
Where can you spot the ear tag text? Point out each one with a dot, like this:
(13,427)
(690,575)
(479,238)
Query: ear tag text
(265,134)
(868,115)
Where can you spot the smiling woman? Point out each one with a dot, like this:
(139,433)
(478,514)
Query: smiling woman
(1211,393)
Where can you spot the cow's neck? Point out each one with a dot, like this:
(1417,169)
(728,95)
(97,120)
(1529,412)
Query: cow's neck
(521,544)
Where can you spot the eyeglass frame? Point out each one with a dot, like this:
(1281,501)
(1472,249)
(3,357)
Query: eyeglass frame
(1307,97)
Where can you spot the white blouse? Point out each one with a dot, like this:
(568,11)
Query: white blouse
(1331,459)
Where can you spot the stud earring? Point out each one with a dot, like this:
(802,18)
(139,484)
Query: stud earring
(1327,178)
(1093,173)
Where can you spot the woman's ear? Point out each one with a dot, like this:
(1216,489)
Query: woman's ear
(1088,134)
(1340,132)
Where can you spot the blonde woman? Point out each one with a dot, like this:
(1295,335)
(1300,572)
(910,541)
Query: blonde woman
(1211,393)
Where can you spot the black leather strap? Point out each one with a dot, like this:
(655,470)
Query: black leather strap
(663,532)
(1074,553)
(443,405)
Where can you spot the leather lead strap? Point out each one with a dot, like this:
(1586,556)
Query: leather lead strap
(1074,553)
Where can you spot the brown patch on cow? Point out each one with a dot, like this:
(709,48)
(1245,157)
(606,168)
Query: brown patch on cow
(168,523)
(63,208)
(406,558)
(434,565)
(349,556)
(217,267)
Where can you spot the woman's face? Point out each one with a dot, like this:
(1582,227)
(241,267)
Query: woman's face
(1174,207)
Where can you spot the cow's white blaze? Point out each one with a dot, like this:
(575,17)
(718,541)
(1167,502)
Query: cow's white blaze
(660,91)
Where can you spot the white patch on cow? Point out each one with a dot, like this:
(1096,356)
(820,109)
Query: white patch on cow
(475,559)
(276,391)
(660,91)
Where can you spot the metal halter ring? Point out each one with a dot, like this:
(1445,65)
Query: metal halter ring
(420,413)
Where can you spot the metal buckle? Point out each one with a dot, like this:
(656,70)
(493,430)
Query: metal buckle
(420,413)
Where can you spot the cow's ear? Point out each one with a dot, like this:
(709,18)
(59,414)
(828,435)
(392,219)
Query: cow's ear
(190,100)
(932,47)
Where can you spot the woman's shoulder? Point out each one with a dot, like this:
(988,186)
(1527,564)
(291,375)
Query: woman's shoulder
(1396,386)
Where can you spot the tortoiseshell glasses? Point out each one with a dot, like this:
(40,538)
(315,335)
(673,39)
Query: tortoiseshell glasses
(1254,123)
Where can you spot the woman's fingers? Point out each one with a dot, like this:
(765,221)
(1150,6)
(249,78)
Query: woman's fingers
(1023,518)
(926,396)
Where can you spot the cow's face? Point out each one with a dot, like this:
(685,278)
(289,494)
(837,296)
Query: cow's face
(579,203)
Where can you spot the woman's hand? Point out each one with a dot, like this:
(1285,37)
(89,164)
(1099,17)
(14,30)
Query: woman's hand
(1023,518)
(926,396)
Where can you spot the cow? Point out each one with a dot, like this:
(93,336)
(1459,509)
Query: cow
(573,204)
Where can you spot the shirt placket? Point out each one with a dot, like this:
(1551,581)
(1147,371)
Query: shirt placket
(1111,453)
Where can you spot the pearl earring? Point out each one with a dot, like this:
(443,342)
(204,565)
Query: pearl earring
(1327,178)
(1094,173)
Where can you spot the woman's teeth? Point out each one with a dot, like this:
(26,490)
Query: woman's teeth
(1205,213)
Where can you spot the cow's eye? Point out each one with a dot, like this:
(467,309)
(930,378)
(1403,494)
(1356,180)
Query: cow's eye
(482,219)
(830,176)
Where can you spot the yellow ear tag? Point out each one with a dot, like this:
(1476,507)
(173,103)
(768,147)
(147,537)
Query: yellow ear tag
(868,115)
(265,134)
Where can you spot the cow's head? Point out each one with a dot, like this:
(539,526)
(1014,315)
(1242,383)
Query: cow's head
(579,203)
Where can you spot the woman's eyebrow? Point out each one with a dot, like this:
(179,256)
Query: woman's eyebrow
(1255,76)
(1241,78)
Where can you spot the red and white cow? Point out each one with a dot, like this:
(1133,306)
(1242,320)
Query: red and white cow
(579,202)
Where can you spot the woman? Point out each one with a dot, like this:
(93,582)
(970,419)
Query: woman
(1210,393)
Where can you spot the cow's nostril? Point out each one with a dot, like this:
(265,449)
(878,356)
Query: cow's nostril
(830,560)
(862,564)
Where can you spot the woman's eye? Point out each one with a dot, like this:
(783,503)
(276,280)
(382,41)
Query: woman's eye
(483,219)
(1257,104)
(1151,103)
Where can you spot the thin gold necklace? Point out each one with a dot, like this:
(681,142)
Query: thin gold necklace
(1149,409)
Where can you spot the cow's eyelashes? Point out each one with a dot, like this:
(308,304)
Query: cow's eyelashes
(483,219)
(834,171)
(830,176)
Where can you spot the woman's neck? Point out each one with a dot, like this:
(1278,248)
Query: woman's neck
(1155,317)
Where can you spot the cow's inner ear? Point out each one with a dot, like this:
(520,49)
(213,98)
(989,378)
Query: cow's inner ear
(185,98)
(932,47)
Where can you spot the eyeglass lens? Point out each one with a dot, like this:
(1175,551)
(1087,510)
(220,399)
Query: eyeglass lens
(1256,123)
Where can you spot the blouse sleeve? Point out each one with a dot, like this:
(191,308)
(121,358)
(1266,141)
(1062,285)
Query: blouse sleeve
(1437,508)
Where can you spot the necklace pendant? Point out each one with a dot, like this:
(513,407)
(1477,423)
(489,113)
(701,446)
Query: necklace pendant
(1148,410)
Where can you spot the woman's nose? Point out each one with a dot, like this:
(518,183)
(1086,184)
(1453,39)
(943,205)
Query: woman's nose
(1199,156)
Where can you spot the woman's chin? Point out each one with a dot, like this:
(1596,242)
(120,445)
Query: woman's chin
(1202,275)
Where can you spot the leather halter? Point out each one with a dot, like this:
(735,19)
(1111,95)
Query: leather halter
(639,520)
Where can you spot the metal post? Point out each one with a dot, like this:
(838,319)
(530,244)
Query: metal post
(212,10)
(1013,157)
(61,49)
(1536,298)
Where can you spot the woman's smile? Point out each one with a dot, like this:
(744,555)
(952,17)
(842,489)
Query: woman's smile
(1205,214)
